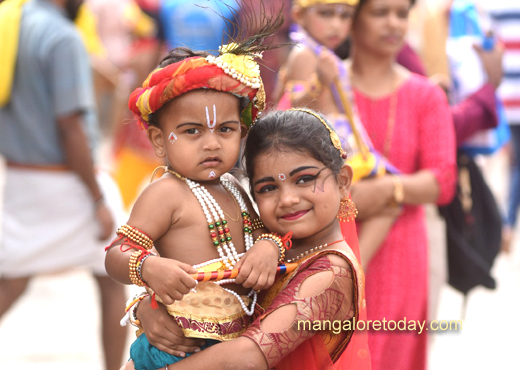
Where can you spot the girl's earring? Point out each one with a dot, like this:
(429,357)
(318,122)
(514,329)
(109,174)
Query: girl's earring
(347,210)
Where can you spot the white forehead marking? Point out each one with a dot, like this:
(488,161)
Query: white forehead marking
(211,124)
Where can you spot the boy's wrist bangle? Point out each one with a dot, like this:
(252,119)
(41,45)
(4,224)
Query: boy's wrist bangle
(135,265)
(276,240)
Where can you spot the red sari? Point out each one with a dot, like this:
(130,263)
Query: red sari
(324,349)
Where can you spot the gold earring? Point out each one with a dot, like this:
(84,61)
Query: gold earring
(347,210)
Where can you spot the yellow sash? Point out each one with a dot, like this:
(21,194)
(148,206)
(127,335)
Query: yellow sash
(10,15)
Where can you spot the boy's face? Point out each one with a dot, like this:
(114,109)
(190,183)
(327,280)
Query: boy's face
(199,133)
(329,24)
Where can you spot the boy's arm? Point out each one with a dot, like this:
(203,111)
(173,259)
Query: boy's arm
(309,76)
(258,266)
(152,214)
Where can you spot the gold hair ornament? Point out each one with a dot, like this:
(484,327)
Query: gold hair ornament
(334,138)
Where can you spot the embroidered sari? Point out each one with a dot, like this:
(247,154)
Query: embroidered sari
(329,348)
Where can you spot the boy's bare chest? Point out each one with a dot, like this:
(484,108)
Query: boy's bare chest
(190,238)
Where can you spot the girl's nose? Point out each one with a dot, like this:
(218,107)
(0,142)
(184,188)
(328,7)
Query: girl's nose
(288,197)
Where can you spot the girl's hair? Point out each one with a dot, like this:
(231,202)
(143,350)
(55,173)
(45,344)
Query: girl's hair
(287,131)
(174,56)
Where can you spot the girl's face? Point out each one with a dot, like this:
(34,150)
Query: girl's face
(199,133)
(295,192)
(381,26)
(329,24)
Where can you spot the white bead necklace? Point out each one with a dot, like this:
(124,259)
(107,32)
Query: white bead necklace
(221,237)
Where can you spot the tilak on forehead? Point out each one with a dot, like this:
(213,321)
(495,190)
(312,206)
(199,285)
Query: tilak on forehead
(235,74)
(307,3)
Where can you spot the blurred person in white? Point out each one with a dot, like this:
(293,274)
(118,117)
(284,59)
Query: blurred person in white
(57,212)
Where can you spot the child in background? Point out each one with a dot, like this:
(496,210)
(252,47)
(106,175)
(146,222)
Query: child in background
(315,77)
(196,108)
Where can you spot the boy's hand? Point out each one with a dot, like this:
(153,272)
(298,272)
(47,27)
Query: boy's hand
(258,266)
(327,68)
(168,278)
(163,332)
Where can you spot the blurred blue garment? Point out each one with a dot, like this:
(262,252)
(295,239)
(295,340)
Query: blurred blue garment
(197,25)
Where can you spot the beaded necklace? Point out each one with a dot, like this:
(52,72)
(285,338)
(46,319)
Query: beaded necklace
(218,230)
(217,223)
(312,250)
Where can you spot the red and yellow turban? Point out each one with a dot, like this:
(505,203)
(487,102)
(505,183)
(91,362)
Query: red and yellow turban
(235,74)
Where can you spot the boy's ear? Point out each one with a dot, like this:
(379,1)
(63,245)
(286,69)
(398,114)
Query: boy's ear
(243,130)
(345,180)
(156,138)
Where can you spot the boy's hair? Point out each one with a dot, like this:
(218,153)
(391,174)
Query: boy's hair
(291,130)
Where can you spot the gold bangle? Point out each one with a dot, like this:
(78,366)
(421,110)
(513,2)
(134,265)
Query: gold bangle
(136,235)
(135,258)
(256,224)
(398,196)
(278,241)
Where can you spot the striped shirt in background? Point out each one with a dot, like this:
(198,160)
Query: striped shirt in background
(505,17)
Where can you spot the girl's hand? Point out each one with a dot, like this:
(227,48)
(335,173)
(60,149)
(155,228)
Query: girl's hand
(163,332)
(372,195)
(258,266)
(168,278)
(327,68)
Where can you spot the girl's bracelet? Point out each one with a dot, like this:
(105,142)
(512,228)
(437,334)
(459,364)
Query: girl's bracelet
(278,241)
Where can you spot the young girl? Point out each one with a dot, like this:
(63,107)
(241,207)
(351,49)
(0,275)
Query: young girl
(196,109)
(299,180)
(315,77)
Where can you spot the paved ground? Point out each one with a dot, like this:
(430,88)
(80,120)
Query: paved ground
(55,325)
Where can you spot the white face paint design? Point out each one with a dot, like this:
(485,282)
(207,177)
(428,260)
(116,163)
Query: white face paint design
(211,124)
(282,177)
(172,137)
(212,175)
